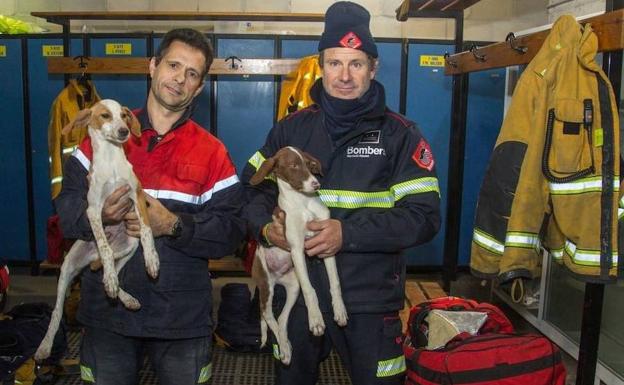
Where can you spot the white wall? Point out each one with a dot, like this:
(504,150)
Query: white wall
(7,7)
(557,8)
(488,20)
(493,20)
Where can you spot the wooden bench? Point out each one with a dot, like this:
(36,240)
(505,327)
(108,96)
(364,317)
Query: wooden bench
(418,291)
(229,263)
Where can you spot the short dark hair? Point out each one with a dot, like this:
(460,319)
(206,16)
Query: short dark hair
(190,37)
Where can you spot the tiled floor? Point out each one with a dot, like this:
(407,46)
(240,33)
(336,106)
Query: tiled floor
(228,365)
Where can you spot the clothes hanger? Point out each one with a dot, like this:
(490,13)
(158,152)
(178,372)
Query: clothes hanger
(84,78)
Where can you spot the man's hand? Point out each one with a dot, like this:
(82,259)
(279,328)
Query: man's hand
(328,240)
(116,206)
(275,232)
(133,227)
(161,220)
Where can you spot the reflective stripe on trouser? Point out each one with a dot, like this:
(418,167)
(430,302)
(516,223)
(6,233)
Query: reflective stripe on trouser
(391,367)
(369,347)
(512,239)
(205,374)
(86,374)
(108,358)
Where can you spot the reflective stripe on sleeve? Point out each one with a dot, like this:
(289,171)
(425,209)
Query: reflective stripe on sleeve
(557,253)
(256,161)
(586,257)
(194,199)
(69,150)
(522,240)
(415,186)
(82,158)
(487,242)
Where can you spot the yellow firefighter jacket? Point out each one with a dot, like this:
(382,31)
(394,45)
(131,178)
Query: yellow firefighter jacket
(295,93)
(553,181)
(64,108)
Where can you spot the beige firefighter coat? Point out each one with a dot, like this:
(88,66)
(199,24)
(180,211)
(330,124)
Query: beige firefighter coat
(553,181)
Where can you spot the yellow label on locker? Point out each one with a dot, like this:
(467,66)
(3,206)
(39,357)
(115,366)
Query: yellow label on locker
(2,50)
(118,49)
(52,50)
(431,61)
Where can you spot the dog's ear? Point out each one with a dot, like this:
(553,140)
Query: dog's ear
(132,122)
(264,170)
(313,164)
(81,120)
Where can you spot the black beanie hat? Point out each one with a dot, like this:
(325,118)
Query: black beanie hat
(346,25)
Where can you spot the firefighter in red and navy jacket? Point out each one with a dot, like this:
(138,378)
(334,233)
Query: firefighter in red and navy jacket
(194,212)
(380,185)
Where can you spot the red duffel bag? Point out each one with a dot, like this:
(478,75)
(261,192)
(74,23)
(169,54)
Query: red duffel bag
(417,331)
(487,359)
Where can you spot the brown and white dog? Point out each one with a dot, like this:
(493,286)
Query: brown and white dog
(297,186)
(109,125)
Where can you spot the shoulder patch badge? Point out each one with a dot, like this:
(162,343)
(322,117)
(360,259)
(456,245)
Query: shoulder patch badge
(423,156)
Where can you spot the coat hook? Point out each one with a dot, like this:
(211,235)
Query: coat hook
(447,58)
(233,66)
(513,43)
(83,63)
(477,56)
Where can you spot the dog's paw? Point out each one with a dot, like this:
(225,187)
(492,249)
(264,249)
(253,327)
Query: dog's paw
(128,301)
(42,353)
(111,285)
(285,353)
(340,313)
(317,325)
(152,265)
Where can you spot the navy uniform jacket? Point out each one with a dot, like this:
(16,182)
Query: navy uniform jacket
(379,181)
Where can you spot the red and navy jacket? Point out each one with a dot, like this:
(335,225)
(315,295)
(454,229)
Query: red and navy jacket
(378,180)
(191,173)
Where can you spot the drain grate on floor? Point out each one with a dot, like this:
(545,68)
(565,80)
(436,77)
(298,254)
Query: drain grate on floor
(228,368)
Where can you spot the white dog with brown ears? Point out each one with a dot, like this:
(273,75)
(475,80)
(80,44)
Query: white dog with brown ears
(109,125)
(297,186)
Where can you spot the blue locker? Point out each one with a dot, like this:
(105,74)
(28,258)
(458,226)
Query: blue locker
(389,72)
(486,97)
(129,90)
(298,48)
(43,89)
(429,94)
(245,104)
(14,239)
(201,114)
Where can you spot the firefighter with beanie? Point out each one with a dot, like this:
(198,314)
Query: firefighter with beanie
(380,185)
